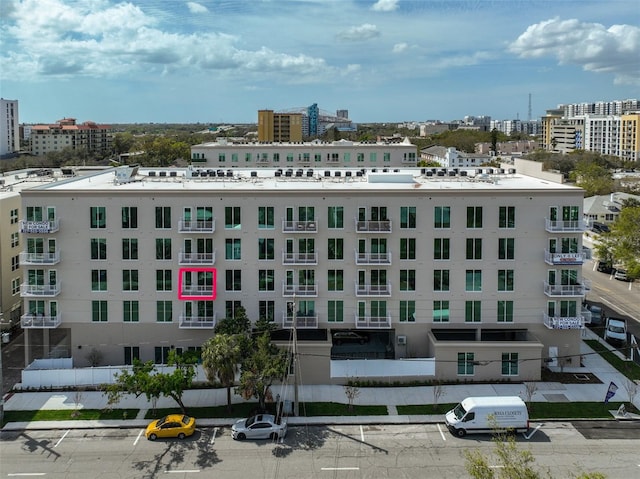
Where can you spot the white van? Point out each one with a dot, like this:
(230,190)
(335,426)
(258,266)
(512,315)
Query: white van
(488,414)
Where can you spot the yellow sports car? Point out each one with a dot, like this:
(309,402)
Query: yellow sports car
(173,425)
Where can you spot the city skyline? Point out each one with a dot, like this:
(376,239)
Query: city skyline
(384,61)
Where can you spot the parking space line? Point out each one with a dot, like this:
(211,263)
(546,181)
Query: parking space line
(213,437)
(63,436)
(340,469)
(15,474)
(139,436)
(532,432)
(441,433)
(361,433)
(181,471)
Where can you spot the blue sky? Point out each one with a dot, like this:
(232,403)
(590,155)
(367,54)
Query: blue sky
(383,60)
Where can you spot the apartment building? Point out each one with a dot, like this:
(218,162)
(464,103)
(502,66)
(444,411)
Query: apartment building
(279,127)
(9,127)
(66,133)
(463,276)
(449,157)
(630,136)
(314,154)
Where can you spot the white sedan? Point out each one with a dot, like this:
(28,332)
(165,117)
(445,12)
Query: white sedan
(260,426)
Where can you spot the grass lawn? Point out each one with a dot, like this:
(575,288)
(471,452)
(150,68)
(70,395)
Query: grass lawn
(628,368)
(68,415)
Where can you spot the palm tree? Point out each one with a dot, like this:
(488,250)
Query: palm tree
(221,355)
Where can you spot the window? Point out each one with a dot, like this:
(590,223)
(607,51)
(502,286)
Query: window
(441,280)
(509,364)
(266,280)
(473,281)
(507,217)
(163,248)
(232,308)
(163,280)
(407,280)
(266,217)
(15,262)
(15,286)
(266,248)
(474,216)
(336,280)
(99,248)
(442,217)
(98,280)
(131,353)
(161,354)
(266,310)
(164,311)
(232,217)
(506,248)
(441,248)
(99,311)
(335,311)
(465,364)
(407,248)
(335,217)
(129,248)
(505,311)
(232,250)
(233,280)
(98,217)
(474,248)
(15,239)
(441,311)
(335,248)
(505,279)
(407,217)
(472,312)
(130,311)
(408,311)
(129,217)
(130,280)
(163,217)
(14,216)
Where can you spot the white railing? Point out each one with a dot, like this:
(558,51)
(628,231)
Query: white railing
(299,289)
(563,322)
(40,321)
(299,258)
(565,289)
(383,226)
(39,258)
(373,322)
(556,226)
(373,289)
(299,226)
(373,258)
(197,290)
(39,289)
(303,321)
(197,258)
(197,322)
(204,226)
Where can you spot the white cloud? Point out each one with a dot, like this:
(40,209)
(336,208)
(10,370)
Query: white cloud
(196,7)
(385,5)
(592,46)
(400,47)
(366,31)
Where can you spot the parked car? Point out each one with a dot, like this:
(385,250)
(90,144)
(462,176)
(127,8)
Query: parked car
(173,425)
(621,275)
(597,314)
(615,331)
(260,426)
(599,228)
(605,267)
(340,337)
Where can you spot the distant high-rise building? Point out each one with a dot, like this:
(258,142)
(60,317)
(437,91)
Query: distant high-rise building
(66,133)
(342,114)
(9,127)
(630,137)
(279,127)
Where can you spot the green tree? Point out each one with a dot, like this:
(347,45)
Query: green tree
(265,364)
(221,356)
(122,142)
(145,379)
(626,240)
(239,323)
(594,178)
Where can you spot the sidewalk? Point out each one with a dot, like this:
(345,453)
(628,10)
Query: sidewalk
(388,396)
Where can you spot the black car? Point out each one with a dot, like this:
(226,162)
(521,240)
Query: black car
(340,337)
(605,267)
(599,228)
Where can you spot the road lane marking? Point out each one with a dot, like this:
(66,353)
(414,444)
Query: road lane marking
(63,436)
(213,437)
(532,432)
(441,433)
(340,469)
(361,433)
(139,436)
(181,471)
(14,474)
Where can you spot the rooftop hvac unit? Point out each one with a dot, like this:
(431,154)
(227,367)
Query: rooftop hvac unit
(402,340)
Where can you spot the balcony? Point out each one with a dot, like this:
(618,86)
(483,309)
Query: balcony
(299,258)
(563,258)
(39,258)
(575,226)
(39,290)
(563,322)
(197,290)
(373,322)
(563,290)
(196,258)
(40,321)
(299,227)
(303,321)
(299,290)
(373,289)
(45,227)
(197,226)
(373,226)
(372,258)
(197,322)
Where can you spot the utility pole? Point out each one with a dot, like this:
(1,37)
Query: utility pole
(296,409)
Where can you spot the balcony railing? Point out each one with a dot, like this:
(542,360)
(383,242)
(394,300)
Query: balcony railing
(299,289)
(563,258)
(299,226)
(563,322)
(567,289)
(39,290)
(383,226)
(373,322)
(299,258)
(39,258)
(197,290)
(197,258)
(40,321)
(373,289)
(197,322)
(559,226)
(303,321)
(373,258)
(195,226)
(39,226)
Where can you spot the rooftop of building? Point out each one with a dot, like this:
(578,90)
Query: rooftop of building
(225,142)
